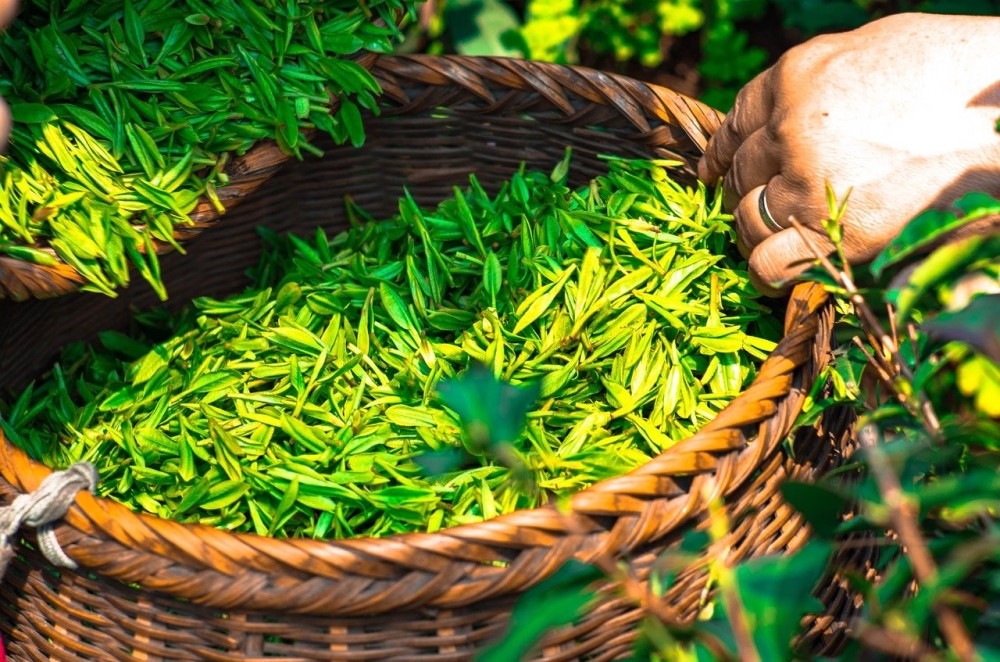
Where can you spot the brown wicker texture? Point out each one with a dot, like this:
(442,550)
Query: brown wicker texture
(154,589)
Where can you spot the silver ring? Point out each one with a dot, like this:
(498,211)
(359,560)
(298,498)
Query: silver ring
(765,214)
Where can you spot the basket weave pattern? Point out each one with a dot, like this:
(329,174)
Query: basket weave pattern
(154,589)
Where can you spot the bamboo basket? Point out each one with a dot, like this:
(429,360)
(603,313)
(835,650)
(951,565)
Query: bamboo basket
(152,589)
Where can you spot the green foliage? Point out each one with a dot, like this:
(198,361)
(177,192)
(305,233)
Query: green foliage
(728,62)
(555,601)
(768,596)
(643,32)
(815,16)
(629,30)
(481,27)
(557,30)
(932,225)
(492,413)
(551,31)
(776,592)
(622,30)
(811,17)
(936,441)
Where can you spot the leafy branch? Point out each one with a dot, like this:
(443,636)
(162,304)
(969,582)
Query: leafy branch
(898,375)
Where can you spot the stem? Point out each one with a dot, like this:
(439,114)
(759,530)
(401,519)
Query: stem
(923,409)
(631,587)
(738,622)
(882,371)
(904,520)
(746,650)
(895,644)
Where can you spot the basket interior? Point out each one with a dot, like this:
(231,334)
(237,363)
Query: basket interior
(426,153)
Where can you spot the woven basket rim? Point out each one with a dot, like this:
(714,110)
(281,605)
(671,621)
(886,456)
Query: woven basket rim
(718,447)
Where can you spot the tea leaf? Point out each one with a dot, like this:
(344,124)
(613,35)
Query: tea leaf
(346,393)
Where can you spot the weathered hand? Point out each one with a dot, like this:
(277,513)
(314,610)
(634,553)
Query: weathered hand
(902,111)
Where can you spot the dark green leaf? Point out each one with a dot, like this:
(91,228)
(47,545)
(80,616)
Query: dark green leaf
(492,411)
(931,226)
(555,601)
(822,506)
(978,324)
(776,592)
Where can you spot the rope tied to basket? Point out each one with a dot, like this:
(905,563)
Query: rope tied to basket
(41,508)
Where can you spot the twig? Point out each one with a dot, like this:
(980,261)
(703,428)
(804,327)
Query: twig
(738,621)
(883,373)
(654,606)
(630,585)
(896,644)
(923,408)
(746,650)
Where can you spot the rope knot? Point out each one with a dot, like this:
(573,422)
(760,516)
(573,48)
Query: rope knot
(41,508)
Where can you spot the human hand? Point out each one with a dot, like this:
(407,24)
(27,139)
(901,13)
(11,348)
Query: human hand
(902,111)
(7,10)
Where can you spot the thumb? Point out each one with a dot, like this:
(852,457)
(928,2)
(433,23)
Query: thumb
(781,257)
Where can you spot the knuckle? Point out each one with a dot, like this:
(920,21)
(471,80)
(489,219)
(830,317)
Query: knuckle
(705,169)
(730,194)
(801,62)
(785,131)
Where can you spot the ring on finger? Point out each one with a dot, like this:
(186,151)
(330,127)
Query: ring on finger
(765,214)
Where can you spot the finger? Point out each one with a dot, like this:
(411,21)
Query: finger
(783,200)
(5,122)
(754,164)
(785,197)
(8,8)
(777,260)
(788,196)
(750,112)
(750,227)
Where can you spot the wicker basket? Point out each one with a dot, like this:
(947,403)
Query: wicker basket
(158,590)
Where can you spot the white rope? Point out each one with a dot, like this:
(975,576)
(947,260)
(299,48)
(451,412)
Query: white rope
(41,508)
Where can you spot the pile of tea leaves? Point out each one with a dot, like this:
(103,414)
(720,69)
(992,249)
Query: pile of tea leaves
(125,113)
(615,316)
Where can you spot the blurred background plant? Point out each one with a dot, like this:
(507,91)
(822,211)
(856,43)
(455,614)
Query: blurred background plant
(704,48)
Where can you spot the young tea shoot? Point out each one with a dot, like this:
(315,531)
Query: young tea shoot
(125,113)
(437,368)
